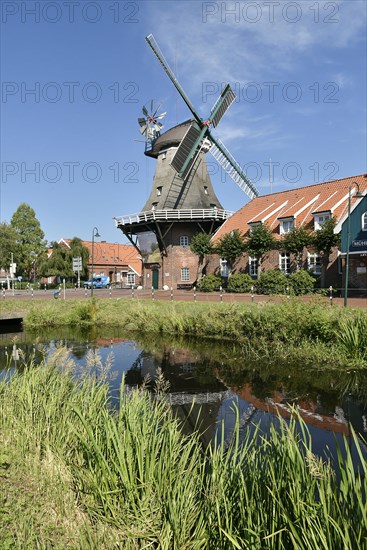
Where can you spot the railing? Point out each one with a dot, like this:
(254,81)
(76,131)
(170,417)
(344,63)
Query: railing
(169,215)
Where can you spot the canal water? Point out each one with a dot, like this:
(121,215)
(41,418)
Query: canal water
(208,380)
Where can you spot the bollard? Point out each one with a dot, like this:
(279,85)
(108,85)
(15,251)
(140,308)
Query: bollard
(331,295)
(32,291)
(171,294)
(110,291)
(287,291)
(45,287)
(153,293)
(3,293)
(194,293)
(132,292)
(221,294)
(85,291)
(75,286)
(252,294)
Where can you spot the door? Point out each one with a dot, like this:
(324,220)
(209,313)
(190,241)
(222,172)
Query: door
(155,278)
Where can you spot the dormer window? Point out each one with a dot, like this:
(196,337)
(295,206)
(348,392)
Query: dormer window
(286,225)
(159,191)
(320,219)
(364,221)
(253,225)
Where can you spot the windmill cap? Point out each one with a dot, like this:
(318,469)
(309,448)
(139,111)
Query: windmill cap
(170,138)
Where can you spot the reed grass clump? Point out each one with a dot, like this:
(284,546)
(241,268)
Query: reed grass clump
(126,477)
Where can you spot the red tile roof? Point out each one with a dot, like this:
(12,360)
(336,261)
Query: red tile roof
(299,203)
(113,254)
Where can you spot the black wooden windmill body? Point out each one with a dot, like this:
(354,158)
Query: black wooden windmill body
(182,198)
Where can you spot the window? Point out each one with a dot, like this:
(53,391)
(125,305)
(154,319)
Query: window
(154,205)
(319,220)
(285,262)
(185,274)
(205,190)
(131,278)
(159,191)
(364,221)
(286,226)
(314,263)
(184,240)
(253,266)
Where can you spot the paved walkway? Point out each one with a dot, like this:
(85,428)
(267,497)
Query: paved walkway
(166,295)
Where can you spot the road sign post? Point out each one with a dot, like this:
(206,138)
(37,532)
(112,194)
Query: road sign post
(78,266)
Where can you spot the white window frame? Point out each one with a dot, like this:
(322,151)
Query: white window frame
(253,266)
(285,262)
(314,263)
(184,241)
(185,274)
(364,221)
(130,278)
(320,219)
(286,226)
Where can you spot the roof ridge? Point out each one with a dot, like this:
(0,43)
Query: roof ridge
(312,185)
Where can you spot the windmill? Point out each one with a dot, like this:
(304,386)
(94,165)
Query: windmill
(150,125)
(182,201)
(198,133)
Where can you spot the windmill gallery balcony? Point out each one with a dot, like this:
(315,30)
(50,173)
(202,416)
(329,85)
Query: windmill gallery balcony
(173,215)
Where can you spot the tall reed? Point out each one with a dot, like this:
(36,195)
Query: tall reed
(132,470)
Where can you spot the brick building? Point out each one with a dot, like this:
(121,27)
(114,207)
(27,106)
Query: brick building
(120,262)
(306,207)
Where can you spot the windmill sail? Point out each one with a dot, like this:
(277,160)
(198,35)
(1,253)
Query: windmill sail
(232,168)
(159,55)
(186,151)
(199,131)
(223,103)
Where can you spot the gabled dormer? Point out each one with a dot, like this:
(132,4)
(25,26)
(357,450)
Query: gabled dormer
(319,218)
(286,225)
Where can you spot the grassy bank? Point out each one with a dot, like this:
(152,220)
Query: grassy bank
(75,474)
(309,331)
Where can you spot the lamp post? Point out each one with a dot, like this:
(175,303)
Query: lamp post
(358,195)
(94,234)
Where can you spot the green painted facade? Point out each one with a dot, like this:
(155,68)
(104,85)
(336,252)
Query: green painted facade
(358,237)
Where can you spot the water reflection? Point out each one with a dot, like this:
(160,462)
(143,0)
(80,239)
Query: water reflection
(207,378)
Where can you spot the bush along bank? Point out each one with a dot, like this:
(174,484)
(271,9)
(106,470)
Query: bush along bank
(93,477)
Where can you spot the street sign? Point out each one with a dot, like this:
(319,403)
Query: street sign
(77,264)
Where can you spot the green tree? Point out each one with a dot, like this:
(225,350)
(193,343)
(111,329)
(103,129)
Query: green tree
(58,264)
(230,247)
(201,246)
(8,244)
(324,240)
(77,249)
(295,241)
(30,240)
(260,240)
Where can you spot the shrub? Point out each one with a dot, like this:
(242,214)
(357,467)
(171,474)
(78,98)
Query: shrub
(209,283)
(271,282)
(240,282)
(301,282)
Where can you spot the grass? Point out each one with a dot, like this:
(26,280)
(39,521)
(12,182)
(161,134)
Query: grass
(293,329)
(75,473)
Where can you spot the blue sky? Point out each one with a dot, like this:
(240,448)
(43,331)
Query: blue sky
(68,148)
